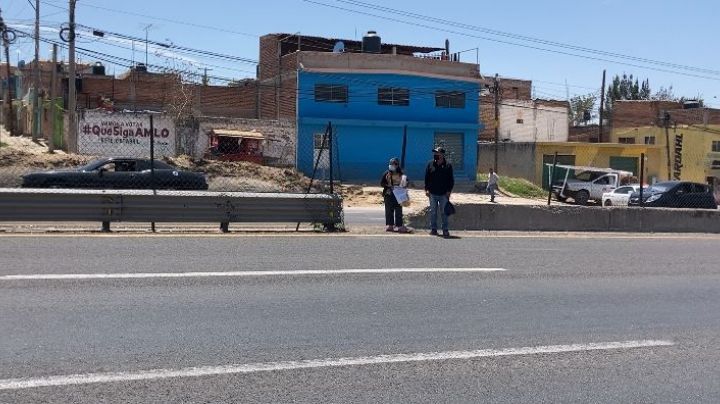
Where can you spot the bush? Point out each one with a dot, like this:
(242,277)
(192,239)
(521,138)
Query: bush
(518,186)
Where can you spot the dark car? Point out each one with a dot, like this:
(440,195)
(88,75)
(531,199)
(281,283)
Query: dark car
(118,173)
(676,194)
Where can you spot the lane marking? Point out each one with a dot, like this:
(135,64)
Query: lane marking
(419,234)
(155,374)
(241,274)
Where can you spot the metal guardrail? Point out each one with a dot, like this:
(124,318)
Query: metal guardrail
(167,206)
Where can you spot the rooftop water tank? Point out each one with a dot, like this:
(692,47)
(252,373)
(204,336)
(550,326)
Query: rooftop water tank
(371,43)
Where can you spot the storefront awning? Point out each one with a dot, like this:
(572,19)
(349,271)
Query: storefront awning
(238,134)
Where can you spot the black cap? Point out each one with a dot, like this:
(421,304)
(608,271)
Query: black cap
(439,150)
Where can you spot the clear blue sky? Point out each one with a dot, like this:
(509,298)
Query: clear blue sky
(677,32)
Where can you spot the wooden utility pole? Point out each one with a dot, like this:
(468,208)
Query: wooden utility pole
(36,76)
(53,107)
(602,108)
(72,90)
(6,37)
(666,124)
(496,92)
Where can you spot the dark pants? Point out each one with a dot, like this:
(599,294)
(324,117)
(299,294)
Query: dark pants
(393,211)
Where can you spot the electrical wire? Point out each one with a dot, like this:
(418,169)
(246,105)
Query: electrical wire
(561,52)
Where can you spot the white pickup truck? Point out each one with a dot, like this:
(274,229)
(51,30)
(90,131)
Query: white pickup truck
(588,184)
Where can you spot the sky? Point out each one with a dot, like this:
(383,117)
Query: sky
(670,43)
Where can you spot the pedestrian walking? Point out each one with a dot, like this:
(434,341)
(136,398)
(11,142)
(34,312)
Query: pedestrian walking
(439,183)
(492,184)
(391,180)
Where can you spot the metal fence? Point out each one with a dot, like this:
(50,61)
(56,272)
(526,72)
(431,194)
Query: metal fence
(234,171)
(677,167)
(116,151)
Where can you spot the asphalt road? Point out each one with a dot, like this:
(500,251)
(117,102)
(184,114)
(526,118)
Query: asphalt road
(236,338)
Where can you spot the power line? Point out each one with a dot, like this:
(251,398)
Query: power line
(385,17)
(363,4)
(184,23)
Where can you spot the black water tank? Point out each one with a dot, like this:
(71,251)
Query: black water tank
(371,43)
(98,69)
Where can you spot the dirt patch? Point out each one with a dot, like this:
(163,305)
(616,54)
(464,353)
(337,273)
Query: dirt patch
(21,156)
(244,176)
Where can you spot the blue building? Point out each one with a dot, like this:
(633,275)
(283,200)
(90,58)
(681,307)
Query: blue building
(372,99)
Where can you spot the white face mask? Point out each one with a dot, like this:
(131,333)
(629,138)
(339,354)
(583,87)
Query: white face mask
(392,168)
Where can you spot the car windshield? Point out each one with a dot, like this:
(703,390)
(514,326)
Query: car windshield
(93,165)
(660,188)
(586,176)
(141,165)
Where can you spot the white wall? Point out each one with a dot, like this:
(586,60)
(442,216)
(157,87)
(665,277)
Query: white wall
(540,123)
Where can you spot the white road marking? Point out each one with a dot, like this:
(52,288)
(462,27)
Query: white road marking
(240,274)
(155,374)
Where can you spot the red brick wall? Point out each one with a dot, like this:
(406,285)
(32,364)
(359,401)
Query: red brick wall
(639,113)
(235,102)
(269,57)
(271,92)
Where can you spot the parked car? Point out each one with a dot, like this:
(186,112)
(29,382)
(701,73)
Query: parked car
(118,173)
(676,194)
(620,196)
(588,185)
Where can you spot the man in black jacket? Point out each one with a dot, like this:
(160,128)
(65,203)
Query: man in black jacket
(439,183)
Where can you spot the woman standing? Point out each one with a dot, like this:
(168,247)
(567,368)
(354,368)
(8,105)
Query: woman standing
(392,178)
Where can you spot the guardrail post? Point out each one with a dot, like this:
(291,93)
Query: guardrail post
(225,227)
(105,227)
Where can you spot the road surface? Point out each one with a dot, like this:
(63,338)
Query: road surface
(359,319)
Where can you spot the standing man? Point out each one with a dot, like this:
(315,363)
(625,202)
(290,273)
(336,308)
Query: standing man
(439,183)
(492,184)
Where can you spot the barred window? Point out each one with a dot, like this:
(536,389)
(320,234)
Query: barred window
(449,99)
(331,93)
(626,140)
(716,146)
(649,139)
(394,96)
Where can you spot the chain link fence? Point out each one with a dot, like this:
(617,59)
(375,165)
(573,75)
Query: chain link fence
(152,151)
(681,169)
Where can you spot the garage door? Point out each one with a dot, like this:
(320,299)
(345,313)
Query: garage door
(624,164)
(453,143)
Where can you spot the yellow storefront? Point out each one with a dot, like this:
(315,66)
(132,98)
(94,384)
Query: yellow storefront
(602,155)
(694,151)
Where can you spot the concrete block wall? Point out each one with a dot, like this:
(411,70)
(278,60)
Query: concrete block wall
(578,218)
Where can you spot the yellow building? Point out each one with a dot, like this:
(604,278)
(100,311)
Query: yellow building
(688,152)
(602,155)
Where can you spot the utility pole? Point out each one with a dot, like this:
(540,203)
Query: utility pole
(147,27)
(602,107)
(666,123)
(72,90)
(7,35)
(36,76)
(496,92)
(53,107)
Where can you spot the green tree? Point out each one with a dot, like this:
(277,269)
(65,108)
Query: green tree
(581,107)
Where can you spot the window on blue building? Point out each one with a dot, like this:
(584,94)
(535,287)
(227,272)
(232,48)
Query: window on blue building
(450,99)
(331,93)
(394,96)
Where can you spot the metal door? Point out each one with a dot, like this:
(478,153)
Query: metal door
(454,145)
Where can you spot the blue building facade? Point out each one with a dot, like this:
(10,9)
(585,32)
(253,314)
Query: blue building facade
(369,114)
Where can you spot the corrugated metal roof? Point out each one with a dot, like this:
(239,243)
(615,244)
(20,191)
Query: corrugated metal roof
(238,133)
